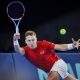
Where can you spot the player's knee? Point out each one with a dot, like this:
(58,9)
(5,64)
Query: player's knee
(70,77)
(53,76)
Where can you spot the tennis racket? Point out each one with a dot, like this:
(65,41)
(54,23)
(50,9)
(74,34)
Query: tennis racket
(16,11)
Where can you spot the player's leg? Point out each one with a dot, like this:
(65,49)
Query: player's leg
(53,75)
(70,77)
(60,68)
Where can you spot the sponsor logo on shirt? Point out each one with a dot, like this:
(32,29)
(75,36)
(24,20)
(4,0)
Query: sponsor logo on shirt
(42,52)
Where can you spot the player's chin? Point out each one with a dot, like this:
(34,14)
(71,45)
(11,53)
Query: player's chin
(33,47)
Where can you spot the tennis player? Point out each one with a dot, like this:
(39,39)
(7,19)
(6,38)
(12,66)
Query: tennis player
(42,54)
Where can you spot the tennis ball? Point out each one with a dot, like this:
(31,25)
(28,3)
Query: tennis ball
(62,31)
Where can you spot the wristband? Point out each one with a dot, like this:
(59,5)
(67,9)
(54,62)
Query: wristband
(71,46)
(16,42)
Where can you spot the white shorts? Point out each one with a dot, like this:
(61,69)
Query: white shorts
(61,67)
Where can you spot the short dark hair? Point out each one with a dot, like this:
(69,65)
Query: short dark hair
(31,33)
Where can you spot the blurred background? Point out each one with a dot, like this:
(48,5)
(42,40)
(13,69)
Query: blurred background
(57,21)
(46,18)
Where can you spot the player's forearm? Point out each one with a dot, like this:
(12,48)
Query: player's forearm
(64,47)
(16,45)
(71,46)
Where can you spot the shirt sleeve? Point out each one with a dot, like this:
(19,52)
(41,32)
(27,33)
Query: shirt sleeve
(24,47)
(49,44)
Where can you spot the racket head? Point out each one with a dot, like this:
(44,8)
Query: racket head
(15,10)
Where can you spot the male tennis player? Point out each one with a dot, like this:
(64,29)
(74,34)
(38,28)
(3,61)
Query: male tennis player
(42,55)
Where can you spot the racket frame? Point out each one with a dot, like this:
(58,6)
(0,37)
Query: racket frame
(17,20)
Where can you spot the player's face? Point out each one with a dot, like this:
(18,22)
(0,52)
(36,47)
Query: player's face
(31,41)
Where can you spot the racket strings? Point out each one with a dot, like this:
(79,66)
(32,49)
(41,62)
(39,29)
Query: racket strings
(15,10)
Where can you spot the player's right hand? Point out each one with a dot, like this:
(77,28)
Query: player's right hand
(16,36)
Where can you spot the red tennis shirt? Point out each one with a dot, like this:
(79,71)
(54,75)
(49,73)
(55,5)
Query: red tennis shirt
(43,56)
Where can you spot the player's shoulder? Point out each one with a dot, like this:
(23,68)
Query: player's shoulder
(48,42)
(25,47)
(43,42)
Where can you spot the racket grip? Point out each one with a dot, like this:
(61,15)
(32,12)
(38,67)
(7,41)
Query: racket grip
(17,32)
(17,29)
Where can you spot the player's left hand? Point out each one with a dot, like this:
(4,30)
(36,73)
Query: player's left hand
(76,43)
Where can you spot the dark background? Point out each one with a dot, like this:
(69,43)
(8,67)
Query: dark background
(46,18)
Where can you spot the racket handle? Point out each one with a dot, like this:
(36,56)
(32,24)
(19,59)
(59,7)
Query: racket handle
(17,31)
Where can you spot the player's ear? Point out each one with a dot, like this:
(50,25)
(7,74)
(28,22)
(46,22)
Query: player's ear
(25,41)
(36,38)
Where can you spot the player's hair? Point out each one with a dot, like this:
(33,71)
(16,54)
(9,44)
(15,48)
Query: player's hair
(31,33)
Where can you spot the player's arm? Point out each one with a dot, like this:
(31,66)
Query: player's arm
(17,47)
(65,47)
